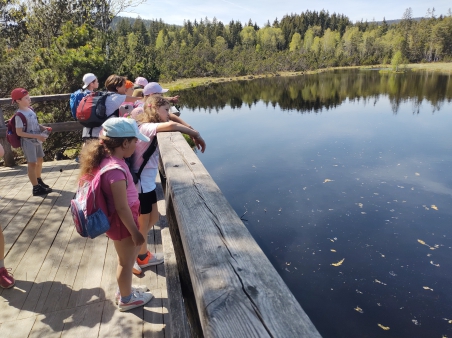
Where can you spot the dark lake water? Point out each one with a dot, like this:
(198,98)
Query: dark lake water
(346,182)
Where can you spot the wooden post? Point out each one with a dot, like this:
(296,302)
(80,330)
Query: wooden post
(9,155)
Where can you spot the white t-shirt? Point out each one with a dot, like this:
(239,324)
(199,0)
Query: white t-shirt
(112,103)
(149,173)
(32,123)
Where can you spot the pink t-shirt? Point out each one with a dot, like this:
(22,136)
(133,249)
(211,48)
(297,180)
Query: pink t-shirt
(116,175)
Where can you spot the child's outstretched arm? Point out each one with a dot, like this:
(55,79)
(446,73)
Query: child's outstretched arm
(175,126)
(119,192)
(20,132)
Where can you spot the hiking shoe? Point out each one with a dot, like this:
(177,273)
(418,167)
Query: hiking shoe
(157,258)
(138,299)
(136,269)
(140,288)
(41,183)
(39,190)
(6,278)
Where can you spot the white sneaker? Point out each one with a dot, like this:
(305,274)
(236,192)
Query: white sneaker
(138,299)
(141,288)
(136,269)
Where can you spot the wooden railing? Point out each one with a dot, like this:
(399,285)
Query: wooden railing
(56,127)
(230,287)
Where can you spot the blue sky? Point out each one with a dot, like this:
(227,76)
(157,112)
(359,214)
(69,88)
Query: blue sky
(175,11)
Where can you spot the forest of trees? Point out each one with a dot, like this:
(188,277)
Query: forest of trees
(48,45)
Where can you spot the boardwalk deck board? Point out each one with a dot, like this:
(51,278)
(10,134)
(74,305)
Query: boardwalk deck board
(65,284)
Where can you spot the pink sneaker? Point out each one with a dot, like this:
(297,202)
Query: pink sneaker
(6,278)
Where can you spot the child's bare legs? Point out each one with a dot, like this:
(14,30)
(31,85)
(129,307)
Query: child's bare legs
(127,253)
(146,222)
(39,167)
(32,172)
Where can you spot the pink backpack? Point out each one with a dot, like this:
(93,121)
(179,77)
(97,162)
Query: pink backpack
(89,208)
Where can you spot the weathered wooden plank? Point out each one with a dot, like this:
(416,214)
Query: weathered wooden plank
(120,324)
(19,209)
(153,325)
(31,248)
(42,283)
(238,292)
(90,278)
(17,328)
(44,280)
(61,288)
(108,282)
(177,321)
(39,98)
(51,324)
(84,321)
(56,127)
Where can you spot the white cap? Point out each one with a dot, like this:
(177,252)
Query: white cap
(153,88)
(122,127)
(141,81)
(87,79)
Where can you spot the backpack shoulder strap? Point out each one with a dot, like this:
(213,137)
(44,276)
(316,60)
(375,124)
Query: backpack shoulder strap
(147,155)
(112,166)
(22,117)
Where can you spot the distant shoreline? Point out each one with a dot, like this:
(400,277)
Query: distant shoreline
(442,67)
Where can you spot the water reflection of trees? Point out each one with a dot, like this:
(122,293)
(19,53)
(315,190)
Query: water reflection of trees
(312,93)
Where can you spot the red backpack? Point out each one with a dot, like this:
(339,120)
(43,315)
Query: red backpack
(91,111)
(11,134)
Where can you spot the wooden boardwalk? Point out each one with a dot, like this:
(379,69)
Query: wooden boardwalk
(65,284)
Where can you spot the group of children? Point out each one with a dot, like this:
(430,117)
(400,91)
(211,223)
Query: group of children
(132,209)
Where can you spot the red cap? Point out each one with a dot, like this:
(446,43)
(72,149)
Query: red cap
(18,93)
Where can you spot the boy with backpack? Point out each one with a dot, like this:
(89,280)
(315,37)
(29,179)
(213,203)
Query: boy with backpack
(90,84)
(29,131)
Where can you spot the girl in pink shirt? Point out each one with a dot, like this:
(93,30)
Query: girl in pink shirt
(117,141)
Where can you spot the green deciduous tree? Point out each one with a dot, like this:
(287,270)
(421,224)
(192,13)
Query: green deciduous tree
(295,43)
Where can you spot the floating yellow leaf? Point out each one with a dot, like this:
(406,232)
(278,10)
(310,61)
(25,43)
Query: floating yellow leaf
(386,328)
(448,320)
(359,309)
(332,250)
(434,207)
(327,180)
(427,288)
(338,263)
(431,247)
